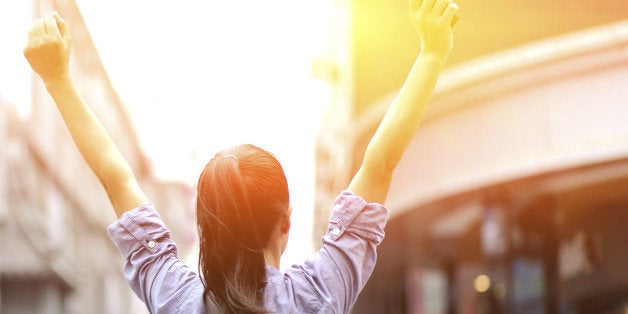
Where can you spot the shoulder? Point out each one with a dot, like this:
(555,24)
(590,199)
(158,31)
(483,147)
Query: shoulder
(331,279)
(293,292)
(152,268)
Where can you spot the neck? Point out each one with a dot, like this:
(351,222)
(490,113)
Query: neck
(275,248)
(271,257)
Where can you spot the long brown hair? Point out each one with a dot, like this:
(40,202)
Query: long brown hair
(242,196)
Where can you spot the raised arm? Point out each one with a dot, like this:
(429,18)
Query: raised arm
(48,53)
(433,21)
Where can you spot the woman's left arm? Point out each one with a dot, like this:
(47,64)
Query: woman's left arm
(433,20)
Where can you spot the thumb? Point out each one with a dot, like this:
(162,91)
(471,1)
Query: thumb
(63,28)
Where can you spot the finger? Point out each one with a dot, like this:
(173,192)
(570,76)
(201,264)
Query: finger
(32,38)
(455,20)
(450,15)
(63,27)
(31,33)
(415,5)
(440,6)
(51,27)
(427,5)
(38,27)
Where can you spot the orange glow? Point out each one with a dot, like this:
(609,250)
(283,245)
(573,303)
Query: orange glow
(482,283)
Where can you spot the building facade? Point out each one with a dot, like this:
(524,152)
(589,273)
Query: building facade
(512,197)
(55,254)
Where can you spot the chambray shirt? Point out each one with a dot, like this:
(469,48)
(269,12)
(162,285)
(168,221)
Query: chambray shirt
(328,282)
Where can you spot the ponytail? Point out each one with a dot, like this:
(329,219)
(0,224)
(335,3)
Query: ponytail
(242,195)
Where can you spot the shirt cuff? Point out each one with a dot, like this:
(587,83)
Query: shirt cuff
(352,213)
(137,228)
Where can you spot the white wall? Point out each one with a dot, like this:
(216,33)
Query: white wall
(562,111)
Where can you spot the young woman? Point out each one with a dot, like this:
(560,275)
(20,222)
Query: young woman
(243,209)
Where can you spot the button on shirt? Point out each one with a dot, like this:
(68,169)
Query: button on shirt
(328,282)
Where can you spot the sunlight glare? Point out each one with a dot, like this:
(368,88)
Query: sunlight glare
(197,77)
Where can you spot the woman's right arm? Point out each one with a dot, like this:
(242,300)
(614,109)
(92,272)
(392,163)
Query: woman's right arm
(433,21)
(48,53)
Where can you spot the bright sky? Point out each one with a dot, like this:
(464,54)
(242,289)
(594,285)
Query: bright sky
(199,76)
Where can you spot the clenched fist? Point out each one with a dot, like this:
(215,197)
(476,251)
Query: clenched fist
(48,48)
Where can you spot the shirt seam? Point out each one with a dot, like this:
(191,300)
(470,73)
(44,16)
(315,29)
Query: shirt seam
(146,236)
(312,289)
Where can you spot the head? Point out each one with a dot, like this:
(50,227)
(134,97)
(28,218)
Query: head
(243,217)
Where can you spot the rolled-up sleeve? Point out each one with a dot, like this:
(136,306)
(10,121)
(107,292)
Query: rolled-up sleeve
(152,267)
(341,268)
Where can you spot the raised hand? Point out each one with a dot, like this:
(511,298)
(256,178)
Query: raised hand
(433,20)
(48,48)
(48,53)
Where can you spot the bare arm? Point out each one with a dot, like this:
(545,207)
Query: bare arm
(433,21)
(48,53)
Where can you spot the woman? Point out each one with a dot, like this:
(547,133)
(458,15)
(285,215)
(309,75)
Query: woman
(243,209)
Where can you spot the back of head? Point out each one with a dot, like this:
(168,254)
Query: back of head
(242,197)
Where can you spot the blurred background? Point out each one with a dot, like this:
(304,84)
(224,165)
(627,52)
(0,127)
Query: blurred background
(512,198)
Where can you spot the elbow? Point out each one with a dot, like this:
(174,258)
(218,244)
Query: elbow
(373,178)
(379,165)
(378,172)
(113,174)
(378,175)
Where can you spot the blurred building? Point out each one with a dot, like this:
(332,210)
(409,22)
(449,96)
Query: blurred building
(55,254)
(513,196)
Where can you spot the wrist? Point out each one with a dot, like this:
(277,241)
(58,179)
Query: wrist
(433,58)
(57,81)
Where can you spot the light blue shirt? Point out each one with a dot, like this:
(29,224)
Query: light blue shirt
(328,282)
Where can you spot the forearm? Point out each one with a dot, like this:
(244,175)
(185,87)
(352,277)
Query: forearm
(48,53)
(433,20)
(405,113)
(89,135)
(96,146)
(396,130)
